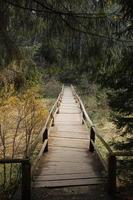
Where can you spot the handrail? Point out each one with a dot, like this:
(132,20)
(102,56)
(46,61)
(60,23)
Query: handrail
(46,125)
(102,140)
(26,175)
(119,153)
(43,136)
(15,160)
(87,118)
(111,164)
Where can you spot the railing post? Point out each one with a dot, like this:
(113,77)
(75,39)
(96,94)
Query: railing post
(75,97)
(52,120)
(83,116)
(58,105)
(111,174)
(92,137)
(26,180)
(45,136)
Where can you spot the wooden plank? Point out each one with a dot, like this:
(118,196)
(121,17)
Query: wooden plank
(63,148)
(65,127)
(66,123)
(68,117)
(59,158)
(66,157)
(71,170)
(64,183)
(66,177)
(68,103)
(70,108)
(66,165)
(69,111)
(78,137)
(61,142)
(59,152)
(69,132)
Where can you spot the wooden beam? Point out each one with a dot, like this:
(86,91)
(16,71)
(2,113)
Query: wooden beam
(111,174)
(26,180)
(92,138)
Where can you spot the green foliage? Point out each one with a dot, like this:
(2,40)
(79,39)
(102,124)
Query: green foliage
(96,102)
(120,93)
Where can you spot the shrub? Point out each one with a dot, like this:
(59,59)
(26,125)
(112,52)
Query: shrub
(52,88)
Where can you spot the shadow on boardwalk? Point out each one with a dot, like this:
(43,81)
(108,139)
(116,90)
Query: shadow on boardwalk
(91,192)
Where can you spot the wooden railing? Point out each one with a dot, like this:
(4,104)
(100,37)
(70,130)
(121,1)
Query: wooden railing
(110,164)
(26,165)
(43,136)
(26,175)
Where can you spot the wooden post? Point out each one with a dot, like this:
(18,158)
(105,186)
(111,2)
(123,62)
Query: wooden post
(112,174)
(83,117)
(58,105)
(26,180)
(45,136)
(52,120)
(75,98)
(92,137)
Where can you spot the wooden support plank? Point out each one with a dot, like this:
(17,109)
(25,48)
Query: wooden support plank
(68,142)
(92,139)
(26,180)
(67,177)
(79,137)
(72,170)
(65,183)
(111,173)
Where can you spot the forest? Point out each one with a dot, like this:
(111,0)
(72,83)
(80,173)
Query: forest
(47,43)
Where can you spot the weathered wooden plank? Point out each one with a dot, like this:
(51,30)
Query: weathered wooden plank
(61,136)
(61,142)
(63,183)
(60,158)
(66,177)
(69,111)
(67,157)
(68,117)
(65,127)
(63,148)
(53,131)
(66,123)
(61,170)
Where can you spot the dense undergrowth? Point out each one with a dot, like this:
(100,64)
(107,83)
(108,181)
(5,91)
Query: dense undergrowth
(22,116)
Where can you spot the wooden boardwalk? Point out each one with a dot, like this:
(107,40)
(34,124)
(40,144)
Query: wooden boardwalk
(68,161)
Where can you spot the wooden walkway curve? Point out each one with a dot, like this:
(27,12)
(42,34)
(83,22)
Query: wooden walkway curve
(68,161)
